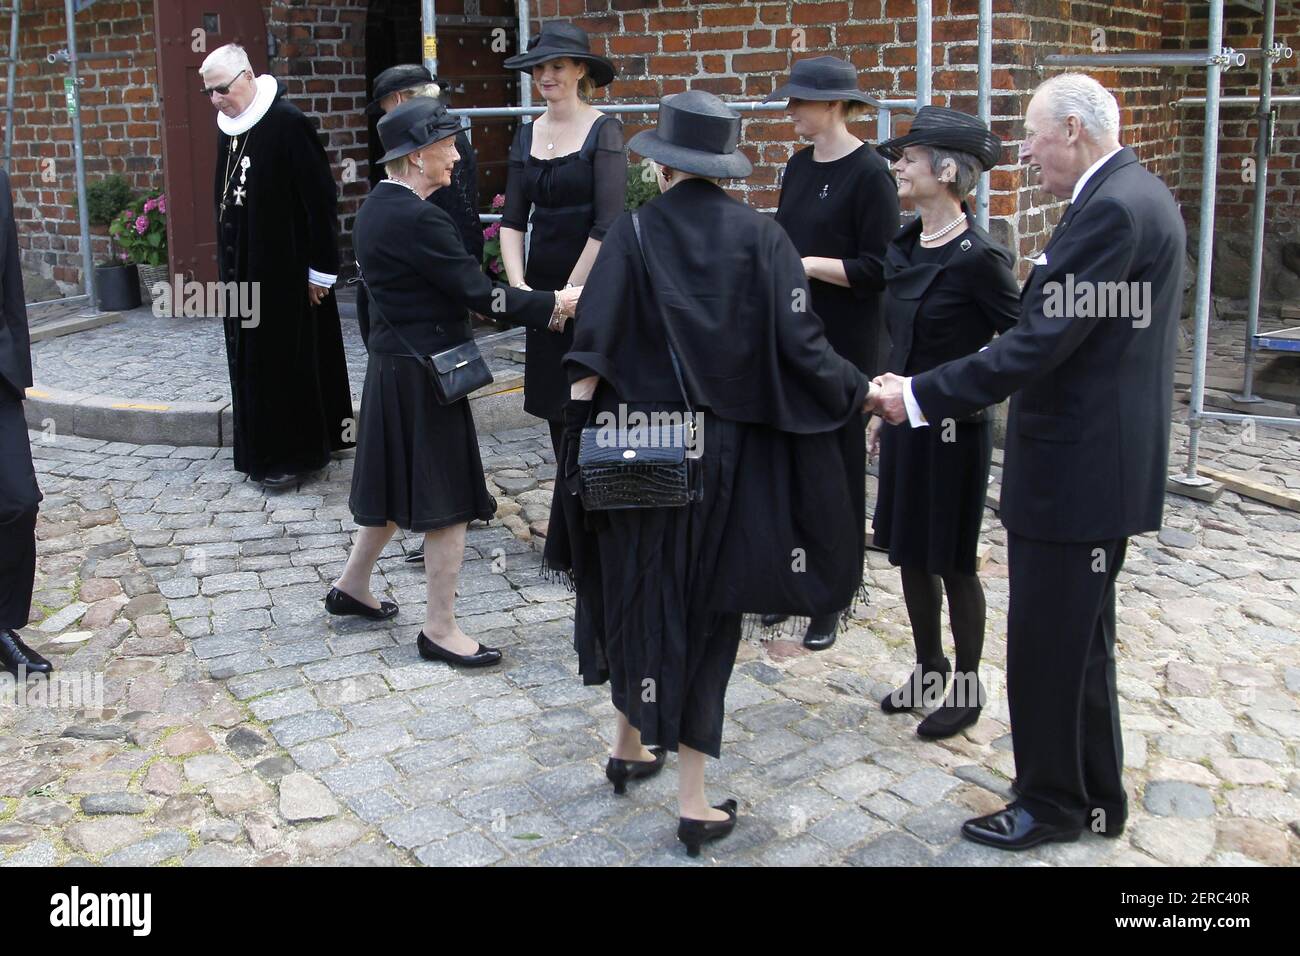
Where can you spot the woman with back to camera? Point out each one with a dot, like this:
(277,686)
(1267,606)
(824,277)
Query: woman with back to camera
(698,282)
(417,465)
(949,289)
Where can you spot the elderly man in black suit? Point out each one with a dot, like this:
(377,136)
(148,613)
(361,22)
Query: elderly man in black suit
(1089,367)
(19,495)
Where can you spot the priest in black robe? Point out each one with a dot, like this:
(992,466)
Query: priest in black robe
(277,240)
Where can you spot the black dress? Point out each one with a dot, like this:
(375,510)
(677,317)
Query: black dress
(846,209)
(942,303)
(417,461)
(572,198)
(675,582)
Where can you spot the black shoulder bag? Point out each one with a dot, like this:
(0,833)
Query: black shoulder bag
(455,372)
(655,466)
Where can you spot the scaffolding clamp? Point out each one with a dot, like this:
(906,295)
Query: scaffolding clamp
(1228,58)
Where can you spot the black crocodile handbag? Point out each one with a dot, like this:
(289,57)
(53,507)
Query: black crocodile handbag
(655,466)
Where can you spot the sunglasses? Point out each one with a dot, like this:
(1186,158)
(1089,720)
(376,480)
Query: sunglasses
(223,89)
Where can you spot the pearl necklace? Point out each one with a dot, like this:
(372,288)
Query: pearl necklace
(398,182)
(945,230)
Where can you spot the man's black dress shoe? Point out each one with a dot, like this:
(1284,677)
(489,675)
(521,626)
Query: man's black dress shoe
(338,602)
(620,771)
(15,654)
(923,689)
(430,651)
(1014,828)
(821,632)
(416,556)
(696,832)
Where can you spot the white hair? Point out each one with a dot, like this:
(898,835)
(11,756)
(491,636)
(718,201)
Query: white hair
(1080,96)
(231,56)
(431,90)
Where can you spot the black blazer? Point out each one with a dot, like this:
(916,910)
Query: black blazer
(937,312)
(420,278)
(1087,442)
(15,342)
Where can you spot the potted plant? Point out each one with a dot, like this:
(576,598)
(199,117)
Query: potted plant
(141,230)
(117,283)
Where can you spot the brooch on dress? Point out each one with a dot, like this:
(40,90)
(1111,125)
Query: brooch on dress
(825,189)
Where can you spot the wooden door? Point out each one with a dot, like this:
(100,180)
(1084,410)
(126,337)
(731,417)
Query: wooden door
(190,122)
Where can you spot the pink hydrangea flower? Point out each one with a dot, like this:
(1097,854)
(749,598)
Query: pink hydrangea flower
(496,265)
(492,231)
(498,201)
(142,225)
(149,205)
(162,204)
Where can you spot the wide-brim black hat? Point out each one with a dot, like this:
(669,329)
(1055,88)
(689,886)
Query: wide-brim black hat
(414,125)
(404,76)
(559,39)
(822,78)
(947,129)
(697,133)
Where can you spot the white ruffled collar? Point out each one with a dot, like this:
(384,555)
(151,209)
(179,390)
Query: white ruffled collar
(265,96)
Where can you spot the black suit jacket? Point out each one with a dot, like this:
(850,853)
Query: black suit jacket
(15,344)
(938,312)
(1087,443)
(423,282)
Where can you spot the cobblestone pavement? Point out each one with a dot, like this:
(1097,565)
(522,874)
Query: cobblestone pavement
(241,724)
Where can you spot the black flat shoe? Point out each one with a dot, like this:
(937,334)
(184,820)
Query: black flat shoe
(771,620)
(821,632)
(430,651)
(957,712)
(338,602)
(620,771)
(1014,828)
(14,654)
(924,689)
(696,832)
(416,556)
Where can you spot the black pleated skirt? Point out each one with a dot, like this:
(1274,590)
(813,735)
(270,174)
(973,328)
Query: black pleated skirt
(418,462)
(930,499)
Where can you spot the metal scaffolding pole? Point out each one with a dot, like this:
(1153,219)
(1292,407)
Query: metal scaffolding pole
(985,82)
(1205,249)
(71,87)
(429,18)
(924,23)
(1263,146)
(525,83)
(1188,58)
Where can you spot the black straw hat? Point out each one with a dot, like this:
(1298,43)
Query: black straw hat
(947,129)
(697,133)
(559,38)
(404,76)
(414,125)
(822,78)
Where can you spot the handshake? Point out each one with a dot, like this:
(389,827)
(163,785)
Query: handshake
(885,398)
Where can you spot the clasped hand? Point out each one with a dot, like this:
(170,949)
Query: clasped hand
(885,398)
(566,301)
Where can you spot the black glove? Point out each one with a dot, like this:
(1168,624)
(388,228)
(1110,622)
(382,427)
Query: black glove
(576,414)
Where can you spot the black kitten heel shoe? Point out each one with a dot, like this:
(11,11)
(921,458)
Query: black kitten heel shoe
(694,833)
(339,602)
(620,772)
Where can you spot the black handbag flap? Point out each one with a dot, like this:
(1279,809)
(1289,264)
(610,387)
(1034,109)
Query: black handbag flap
(455,358)
(664,445)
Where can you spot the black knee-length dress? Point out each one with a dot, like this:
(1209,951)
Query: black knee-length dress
(417,461)
(942,304)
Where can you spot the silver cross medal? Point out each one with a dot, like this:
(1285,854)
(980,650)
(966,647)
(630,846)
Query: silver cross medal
(239,192)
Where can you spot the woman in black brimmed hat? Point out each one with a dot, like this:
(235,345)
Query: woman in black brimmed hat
(568,173)
(417,465)
(840,207)
(949,288)
(723,284)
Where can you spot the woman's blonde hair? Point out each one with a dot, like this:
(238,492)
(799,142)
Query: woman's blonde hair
(854,110)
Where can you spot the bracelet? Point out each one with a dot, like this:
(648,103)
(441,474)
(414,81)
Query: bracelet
(556,313)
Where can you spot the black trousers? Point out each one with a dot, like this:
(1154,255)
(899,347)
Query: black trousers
(1061,680)
(19,498)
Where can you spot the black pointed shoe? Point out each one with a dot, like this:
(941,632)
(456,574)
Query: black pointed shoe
(960,709)
(924,688)
(14,654)
(771,620)
(483,657)
(416,556)
(620,771)
(694,833)
(340,602)
(1014,828)
(821,632)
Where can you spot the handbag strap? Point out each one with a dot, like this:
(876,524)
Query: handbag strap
(663,316)
(373,305)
